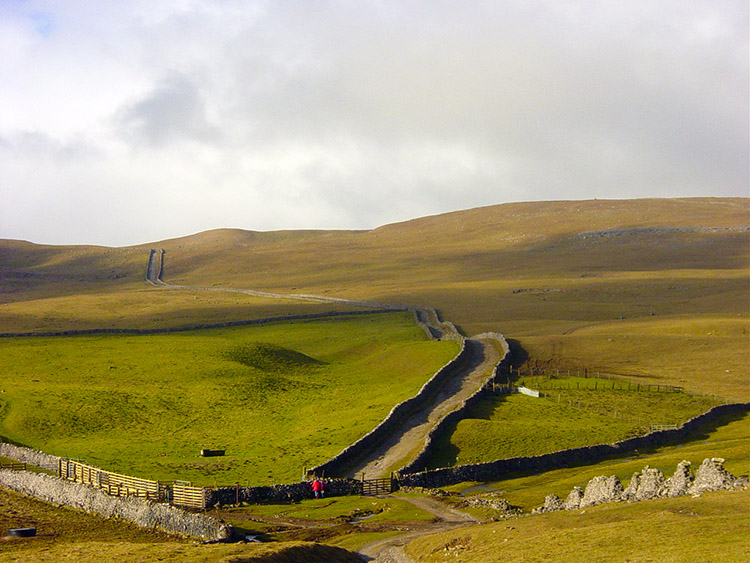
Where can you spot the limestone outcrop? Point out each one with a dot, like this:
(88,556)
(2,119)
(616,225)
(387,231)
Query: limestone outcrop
(647,484)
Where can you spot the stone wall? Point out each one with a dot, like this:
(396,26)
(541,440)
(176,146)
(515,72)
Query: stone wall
(349,455)
(293,492)
(138,511)
(501,468)
(139,331)
(27,455)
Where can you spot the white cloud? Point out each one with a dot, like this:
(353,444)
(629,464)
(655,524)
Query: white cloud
(128,122)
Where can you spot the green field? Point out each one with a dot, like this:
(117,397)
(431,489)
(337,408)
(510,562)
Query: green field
(278,398)
(518,426)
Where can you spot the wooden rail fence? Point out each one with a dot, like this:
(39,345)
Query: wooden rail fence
(112,483)
(616,382)
(13,466)
(184,494)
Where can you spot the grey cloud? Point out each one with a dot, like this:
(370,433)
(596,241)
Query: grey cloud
(173,111)
(311,114)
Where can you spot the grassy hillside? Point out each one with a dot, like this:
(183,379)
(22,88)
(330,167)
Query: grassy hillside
(279,397)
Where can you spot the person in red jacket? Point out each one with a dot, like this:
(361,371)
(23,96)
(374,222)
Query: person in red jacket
(318,488)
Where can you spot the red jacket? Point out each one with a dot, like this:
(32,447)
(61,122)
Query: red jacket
(317,486)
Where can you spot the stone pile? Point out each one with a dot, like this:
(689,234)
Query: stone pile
(647,484)
(495,502)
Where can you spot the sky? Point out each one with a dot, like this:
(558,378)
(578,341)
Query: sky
(131,122)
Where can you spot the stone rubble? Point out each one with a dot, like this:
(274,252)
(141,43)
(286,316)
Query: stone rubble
(573,501)
(493,501)
(646,484)
(711,476)
(678,484)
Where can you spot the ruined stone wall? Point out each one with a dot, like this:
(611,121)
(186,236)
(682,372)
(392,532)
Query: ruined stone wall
(141,512)
(349,455)
(650,483)
(501,468)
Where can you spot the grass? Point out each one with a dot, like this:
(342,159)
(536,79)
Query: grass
(659,295)
(379,510)
(728,438)
(680,530)
(278,398)
(684,529)
(518,425)
(64,534)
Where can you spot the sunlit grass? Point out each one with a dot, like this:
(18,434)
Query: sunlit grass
(278,398)
(519,426)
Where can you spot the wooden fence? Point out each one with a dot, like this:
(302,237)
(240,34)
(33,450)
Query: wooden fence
(112,483)
(187,496)
(13,466)
(605,385)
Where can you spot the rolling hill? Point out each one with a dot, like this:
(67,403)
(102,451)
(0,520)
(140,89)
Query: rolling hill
(559,277)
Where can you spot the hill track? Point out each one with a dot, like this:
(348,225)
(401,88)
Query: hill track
(390,549)
(403,444)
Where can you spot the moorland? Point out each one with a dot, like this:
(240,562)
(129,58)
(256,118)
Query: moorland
(654,291)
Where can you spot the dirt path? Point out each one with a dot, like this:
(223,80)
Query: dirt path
(408,440)
(391,549)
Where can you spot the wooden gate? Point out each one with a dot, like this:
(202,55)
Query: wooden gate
(187,496)
(372,487)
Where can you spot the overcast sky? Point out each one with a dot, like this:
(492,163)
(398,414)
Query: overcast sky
(134,121)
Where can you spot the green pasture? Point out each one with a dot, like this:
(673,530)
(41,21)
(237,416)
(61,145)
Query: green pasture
(518,425)
(728,438)
(705,354)
(278,398)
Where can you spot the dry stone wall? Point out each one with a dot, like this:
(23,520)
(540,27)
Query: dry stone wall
(143,513)
(292,492)
(139,331)
(29,456)
(499,469)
